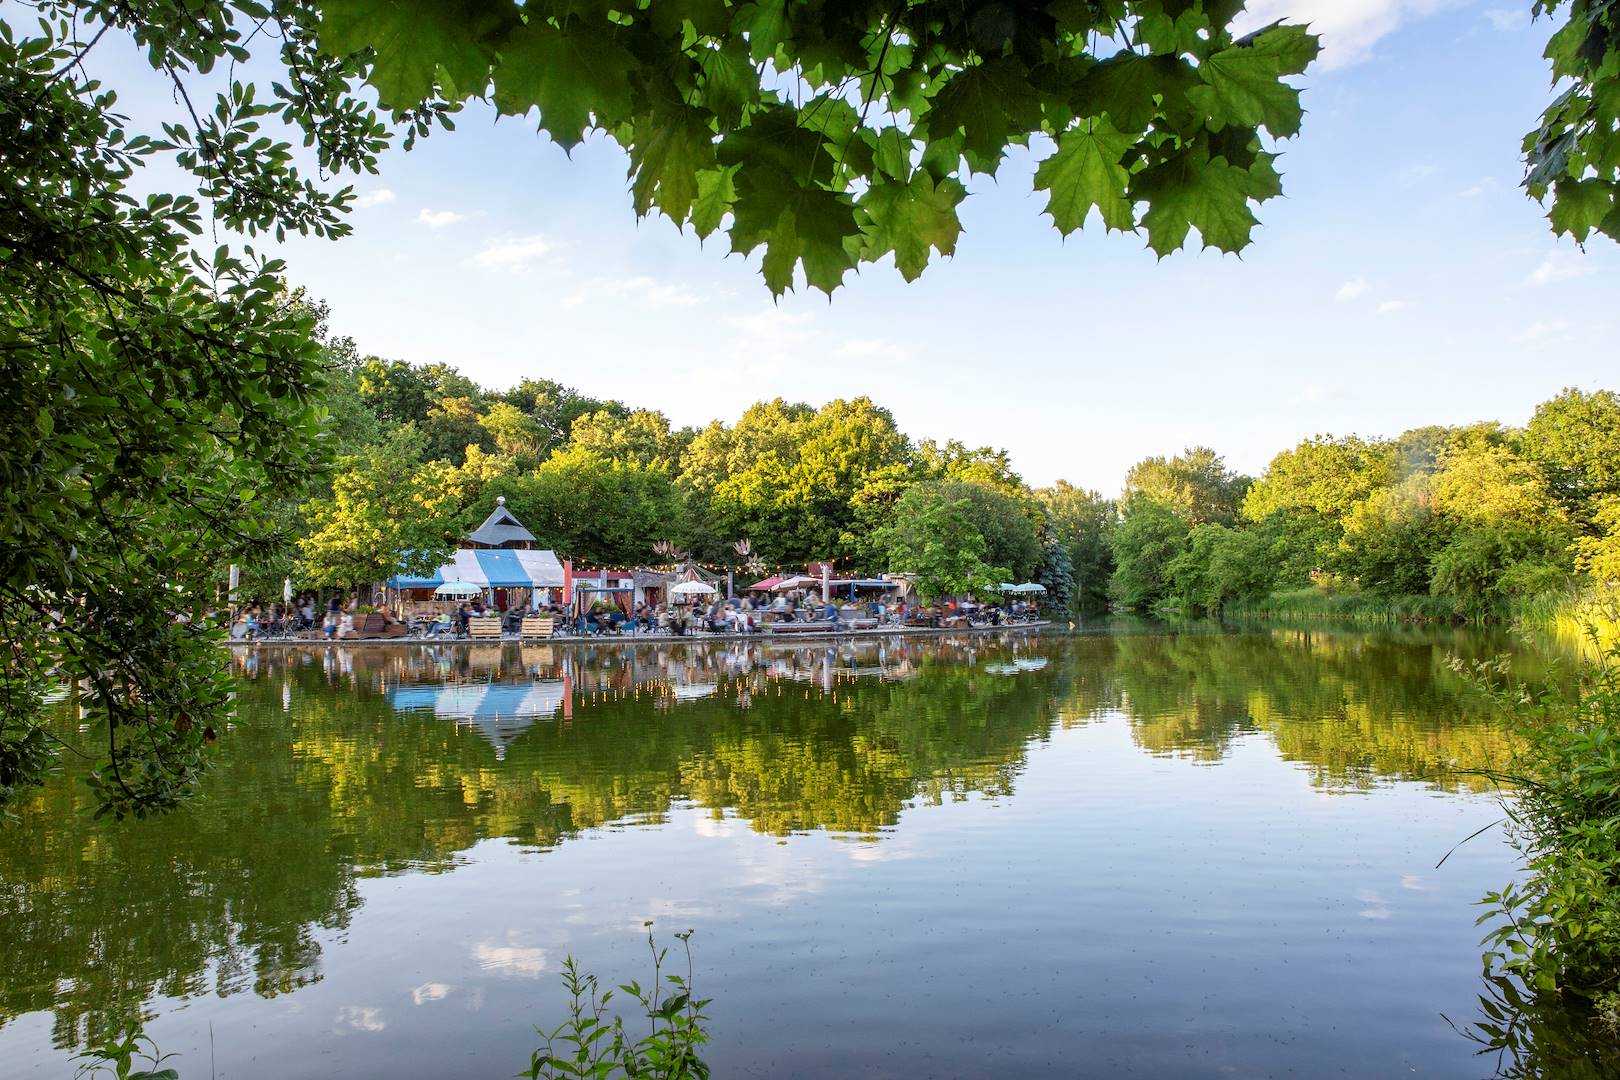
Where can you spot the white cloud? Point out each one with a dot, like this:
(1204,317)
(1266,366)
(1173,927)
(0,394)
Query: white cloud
(1560,266)
(430,992)
(1506,18)
(359,1019)
(374,198)
(1486,183)
(514,253)
(649,290)
(1390,307)
(438,219)
(1349,28)
(1351,289)
(509,959)
(1377,907)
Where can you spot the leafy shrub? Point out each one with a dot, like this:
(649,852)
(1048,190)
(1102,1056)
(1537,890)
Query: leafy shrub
(590,1043)
(1558,931)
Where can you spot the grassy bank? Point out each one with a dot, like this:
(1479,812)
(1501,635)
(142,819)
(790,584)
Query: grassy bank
(1585,616)
(1569,613)
(1311,603)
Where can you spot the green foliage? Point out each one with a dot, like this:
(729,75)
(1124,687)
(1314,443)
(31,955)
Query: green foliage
(596,510)
(1057,574)
(591,1044)
(1083,521)
(1151,105)
(1219,565)
(786,476)
(1147,542)
(1556,933)
(160,392)
(1323,475)
(120,1055)
(1470,522)
(1575,440)
(938,536)
(1483,568)
(1196,485)
(379,519)
(1574,155)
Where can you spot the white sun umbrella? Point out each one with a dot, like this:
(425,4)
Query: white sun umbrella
(692,588)
(797,581)
(458,588)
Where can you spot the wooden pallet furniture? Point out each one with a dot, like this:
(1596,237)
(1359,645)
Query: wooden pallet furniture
(538,626)
(486,627)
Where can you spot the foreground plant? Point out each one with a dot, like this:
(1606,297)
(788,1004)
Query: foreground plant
(591,1043)
(126,1054)
(1554,937)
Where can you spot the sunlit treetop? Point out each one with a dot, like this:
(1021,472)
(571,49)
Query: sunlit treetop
(836,132)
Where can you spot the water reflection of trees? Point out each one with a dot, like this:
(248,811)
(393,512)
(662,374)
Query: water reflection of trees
(1353,708)
(345,763)
(323,780)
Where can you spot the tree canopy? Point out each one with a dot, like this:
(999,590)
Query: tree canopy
(835,135)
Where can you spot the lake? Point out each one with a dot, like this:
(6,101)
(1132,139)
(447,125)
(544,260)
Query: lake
(1145,851)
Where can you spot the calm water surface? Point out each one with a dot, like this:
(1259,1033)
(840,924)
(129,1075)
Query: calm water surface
(1132,853)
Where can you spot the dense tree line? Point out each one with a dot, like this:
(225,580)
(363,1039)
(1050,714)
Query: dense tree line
(422,453)
(1476,520)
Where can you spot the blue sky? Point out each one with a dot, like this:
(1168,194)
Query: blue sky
(1403,279)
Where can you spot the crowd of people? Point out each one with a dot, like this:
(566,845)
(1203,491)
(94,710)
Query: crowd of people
(334,617)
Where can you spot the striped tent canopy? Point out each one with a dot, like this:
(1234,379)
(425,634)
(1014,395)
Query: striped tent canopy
(493,569)
(499,711)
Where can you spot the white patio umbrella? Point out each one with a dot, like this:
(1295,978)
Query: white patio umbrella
(692,588)
(458,588)
(797,581)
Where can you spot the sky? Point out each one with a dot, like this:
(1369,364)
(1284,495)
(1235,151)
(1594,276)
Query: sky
(1403,279)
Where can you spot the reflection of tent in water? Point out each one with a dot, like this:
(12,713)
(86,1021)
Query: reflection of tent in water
(500,711)
(1013,667)
(693,691)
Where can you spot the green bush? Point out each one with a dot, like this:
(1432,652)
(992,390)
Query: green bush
(591,1043)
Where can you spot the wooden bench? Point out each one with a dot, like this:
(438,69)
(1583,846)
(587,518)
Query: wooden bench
(538,626)
(484,626)
(800,627)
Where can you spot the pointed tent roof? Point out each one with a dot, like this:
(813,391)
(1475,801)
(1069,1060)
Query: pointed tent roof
(501,528)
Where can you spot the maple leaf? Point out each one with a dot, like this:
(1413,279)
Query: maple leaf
(1194,190)
(666,157)
(1242,84)
(796,223)
(570,75)
(1579,206)
(1128,88)
(766,25)
(989,104)
(716,191)
(909,218)
(413,41)
(1085,172)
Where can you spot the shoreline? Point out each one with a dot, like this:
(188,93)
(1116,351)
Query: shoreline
(650,639)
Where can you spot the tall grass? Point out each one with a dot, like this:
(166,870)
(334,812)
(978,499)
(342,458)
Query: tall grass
(1585,615)
(1314,603)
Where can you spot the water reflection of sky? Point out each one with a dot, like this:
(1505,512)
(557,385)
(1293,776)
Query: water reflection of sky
(976,856)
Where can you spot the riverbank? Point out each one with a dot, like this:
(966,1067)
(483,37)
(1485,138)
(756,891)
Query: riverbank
(1350,606)
(655,639)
